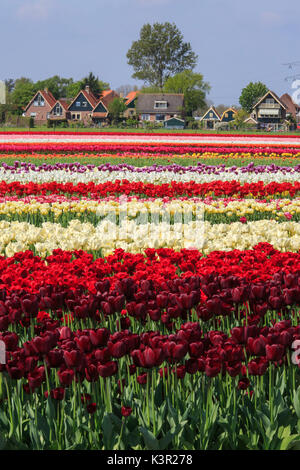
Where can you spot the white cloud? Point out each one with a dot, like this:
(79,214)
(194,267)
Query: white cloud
(35,9)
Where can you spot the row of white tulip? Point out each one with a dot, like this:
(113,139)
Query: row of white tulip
(135,238)
(154,177)
(135,208)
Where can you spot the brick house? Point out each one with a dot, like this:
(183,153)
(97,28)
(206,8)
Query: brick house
(40,106)
(100,111)
(60,110)
(157,107)
(82,106)
(228,115)
(210,118)
(293,109)
(130,102)
(270,112)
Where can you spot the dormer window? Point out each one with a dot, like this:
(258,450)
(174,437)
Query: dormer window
(160,104)
(57,110)
(39,101)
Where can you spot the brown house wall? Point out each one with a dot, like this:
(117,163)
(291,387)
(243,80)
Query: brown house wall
(41,112)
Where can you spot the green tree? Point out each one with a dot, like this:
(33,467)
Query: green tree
(9,83)
(23,92)
(240,117)
(151,89)
(251,94)
(96,85)
(159,53)
(192,86)
(73,89)
(116,108)
(56,85)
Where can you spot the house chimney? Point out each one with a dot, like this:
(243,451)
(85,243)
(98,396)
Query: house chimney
(46,90)
(121,95)
(87,88)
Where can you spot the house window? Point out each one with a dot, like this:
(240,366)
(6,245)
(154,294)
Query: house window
(161,104)
(32,114)
(226,115)
(78,116)
(77,104)
(160,117)
(270,101)
(39,101)
(84,104)
(48,115)
(211,115)
(145,117)
(57,110)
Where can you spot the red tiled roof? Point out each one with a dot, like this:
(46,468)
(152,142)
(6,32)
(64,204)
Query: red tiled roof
(100,115)
(48,97)
(64,103)
(107,96)
(292,107)
(105,93)
(90,97)
(130,97)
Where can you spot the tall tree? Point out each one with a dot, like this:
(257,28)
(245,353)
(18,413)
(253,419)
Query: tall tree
(23,92)
(96,85)
(56,84)
(116,108)
(10,84)
(251,94)
(73,89)
(159,53)
(192,86)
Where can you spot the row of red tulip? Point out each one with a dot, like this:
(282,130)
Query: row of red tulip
(174,189)
(93,353)
(136,147)
(153,135)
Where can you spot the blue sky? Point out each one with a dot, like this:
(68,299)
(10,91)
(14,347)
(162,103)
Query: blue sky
(237,41)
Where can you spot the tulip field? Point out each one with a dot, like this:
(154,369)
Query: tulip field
(149,291)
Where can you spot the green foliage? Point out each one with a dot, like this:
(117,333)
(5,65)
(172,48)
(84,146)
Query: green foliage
(251,94)
(151,89)
(73,89)
(10,84)
(239,118)
(59,123)
(56,85)
(159,53)
(116,108)
(96,85)
(192,86)
(23,92)
(131,122)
